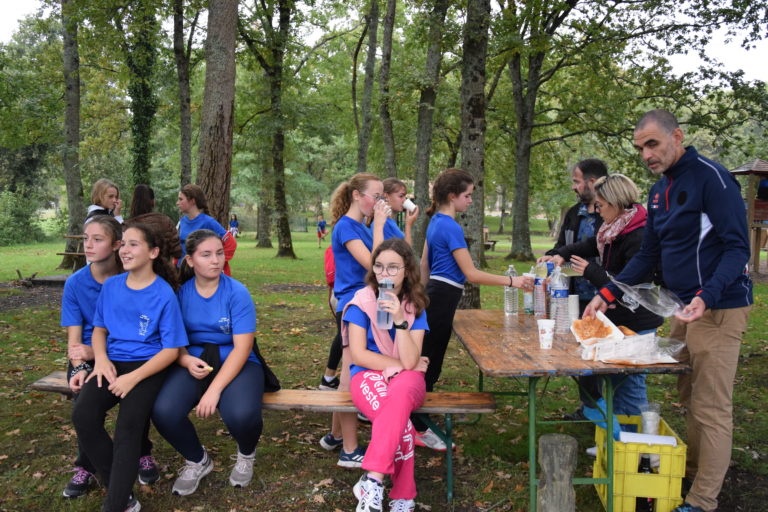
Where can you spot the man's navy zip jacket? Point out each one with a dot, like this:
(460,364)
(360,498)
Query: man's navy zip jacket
(697,228)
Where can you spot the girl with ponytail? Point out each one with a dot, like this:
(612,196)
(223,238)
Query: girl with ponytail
(445,265)
(352,241)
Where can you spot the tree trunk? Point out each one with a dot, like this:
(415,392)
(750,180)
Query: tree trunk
(503,200)
(426,113)
(264,218)
(214,172)
(182,54)
(364,136)
(388,136)
(525,103)
(70,155)
(354,76)
(139,47)
(473,125)
(284,242)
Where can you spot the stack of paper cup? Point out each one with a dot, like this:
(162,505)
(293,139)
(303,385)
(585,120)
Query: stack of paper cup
(573,307)
(546,333)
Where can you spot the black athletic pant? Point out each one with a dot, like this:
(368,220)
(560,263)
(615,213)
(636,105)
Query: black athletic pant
(81,460)
(334,354)
(116,462)
(443,301)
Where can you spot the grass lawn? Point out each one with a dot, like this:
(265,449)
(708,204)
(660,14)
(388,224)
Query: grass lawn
(37,441)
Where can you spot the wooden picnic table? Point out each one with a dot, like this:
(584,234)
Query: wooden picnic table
(508,346)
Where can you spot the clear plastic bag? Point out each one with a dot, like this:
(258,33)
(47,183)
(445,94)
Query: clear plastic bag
(652,297)
(640,349)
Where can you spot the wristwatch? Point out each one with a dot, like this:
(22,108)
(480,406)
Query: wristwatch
(403,325)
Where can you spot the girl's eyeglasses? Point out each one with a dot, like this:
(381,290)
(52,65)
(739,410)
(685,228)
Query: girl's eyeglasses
(390,270)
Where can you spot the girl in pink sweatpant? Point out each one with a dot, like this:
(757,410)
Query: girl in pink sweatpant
(387,373)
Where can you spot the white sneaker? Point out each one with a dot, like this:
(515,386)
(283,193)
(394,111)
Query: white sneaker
(369,494)
(402,505)
(431,440)
(242,472)
(190,476)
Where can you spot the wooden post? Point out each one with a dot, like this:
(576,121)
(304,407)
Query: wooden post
(557,458)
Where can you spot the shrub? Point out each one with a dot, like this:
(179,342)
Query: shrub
(16,219)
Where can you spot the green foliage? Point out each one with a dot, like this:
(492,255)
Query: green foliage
(16,219)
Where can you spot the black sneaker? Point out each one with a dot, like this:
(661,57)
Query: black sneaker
(148,472)
(133,504)
(333,385)
(80,483)
(577,415)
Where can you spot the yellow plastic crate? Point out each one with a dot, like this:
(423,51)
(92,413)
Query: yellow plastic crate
(664,486)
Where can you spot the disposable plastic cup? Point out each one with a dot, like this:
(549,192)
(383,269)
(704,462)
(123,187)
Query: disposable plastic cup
(546,333)
(573,307)
(409,205)
(651,416)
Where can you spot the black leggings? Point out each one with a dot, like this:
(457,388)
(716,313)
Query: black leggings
(82,460)
(443,301)
(116,462)
(334,354)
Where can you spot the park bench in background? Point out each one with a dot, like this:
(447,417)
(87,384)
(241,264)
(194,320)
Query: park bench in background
(446,403)
(487,242)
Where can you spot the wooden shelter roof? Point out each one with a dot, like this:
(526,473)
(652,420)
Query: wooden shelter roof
(756,166)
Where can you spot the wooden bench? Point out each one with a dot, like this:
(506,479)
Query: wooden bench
(79,253)
(446,403)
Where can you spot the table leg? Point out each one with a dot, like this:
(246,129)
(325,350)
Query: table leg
(608,387)
(532,484)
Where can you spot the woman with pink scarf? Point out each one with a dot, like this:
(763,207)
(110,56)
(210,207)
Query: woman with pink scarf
(617,240)
(387,372)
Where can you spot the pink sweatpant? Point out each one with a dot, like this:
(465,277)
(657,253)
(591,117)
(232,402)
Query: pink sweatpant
(388,406)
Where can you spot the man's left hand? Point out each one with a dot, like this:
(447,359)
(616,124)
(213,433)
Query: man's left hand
(692,311)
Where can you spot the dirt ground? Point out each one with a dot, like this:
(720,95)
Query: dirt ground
(15,295)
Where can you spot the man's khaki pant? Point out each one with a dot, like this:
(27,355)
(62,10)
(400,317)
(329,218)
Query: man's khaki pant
(713,343)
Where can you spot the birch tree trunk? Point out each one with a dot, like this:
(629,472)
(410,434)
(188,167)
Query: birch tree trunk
(214,173)
(424,129)
(364,135)
(70,154)
(473,125)
(388,136)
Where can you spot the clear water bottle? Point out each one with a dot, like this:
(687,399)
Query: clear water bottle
(511,294)
(558,284)
(539,291)
(384,318)
(528,295)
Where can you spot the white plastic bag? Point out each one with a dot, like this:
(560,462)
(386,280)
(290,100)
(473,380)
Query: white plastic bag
(640,349)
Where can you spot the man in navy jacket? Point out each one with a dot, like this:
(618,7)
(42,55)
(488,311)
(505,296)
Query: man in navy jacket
(697,230)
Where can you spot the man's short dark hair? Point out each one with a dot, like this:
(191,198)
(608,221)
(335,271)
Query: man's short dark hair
(664,118)
(592,168)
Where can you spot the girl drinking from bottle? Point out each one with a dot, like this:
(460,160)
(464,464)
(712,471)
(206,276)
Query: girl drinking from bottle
(352,243)
(388,373)
(137,331)
(395,193)
(219,369)
(445,265)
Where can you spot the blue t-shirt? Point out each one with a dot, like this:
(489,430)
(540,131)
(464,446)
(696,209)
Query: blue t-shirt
(391,229)
(202,221)
(234,224)
(350,275)
(78,304)
(444,235)
(321,226)
(356,316)
(140,323)
(217,318)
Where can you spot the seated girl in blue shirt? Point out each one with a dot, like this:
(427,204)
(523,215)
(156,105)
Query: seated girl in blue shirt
(137,333)
(78,305)
(218,370)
